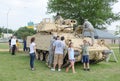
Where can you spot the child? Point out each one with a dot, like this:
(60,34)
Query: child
(71,58)
(85,55)
(17,45)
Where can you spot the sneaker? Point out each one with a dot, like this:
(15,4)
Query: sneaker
(59,69)
(52,69)
(88,69)
(32,69)
(85,69)
(49,66)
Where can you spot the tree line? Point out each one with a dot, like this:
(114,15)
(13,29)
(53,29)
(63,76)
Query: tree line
(21,33)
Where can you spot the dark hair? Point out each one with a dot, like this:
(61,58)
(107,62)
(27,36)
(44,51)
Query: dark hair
(58,14)
(32,39)
(57,37)
(54,37)
(70,44)
(16,40)
(62,38)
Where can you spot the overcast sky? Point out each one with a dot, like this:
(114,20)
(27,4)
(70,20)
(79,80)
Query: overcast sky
(22,11)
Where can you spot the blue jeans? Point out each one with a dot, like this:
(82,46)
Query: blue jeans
(85,58)
(32,57)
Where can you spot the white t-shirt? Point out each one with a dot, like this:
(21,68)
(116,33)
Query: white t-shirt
(32,45)
(71,53)
(59,46)
(13,41)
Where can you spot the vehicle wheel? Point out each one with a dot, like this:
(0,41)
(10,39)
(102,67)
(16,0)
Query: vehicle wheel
(37,55)
(41,56)
(46,57)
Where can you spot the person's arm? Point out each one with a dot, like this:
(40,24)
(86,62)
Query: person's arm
(34,48)
(68,53)
(11,42)
(54,46)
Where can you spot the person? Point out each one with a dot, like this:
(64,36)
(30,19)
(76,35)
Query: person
(85,55)
(87,26)
(58,19)
(10,44)
(13,45)
(32,52)
(24,45)
(71,58)
(65,48)
(51,52)
(58,47)
(17,45)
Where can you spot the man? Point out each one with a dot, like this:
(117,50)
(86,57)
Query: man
(24,43)
(58,19)
(59,47)
(51,52)
(13,45)
(87,26)
(10,44)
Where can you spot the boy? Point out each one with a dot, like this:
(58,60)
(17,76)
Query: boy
(85,55)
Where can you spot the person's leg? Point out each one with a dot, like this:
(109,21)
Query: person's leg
(84,65)
(31,61)
(84,62)
(73,68)
(13,50)
(32,57)
(60,61)
(24,48)
(87,63)
(55,62)
(49,56)
(67,69)
(52,59)
(88,67)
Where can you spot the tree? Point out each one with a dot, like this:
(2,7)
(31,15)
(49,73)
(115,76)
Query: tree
(23,32)
(4,30)
(117,32)
(99,12)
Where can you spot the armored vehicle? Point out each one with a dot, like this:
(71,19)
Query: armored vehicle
(47,28)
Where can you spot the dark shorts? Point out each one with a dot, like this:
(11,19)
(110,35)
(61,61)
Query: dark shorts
(72,60)
(85,58)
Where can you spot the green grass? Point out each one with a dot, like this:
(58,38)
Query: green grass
(114,45)
(6,45)
(16,68)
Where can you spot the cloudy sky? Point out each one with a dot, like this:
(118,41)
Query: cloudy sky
(19,12)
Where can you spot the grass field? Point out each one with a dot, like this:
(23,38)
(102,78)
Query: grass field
(6,46)
(16,68)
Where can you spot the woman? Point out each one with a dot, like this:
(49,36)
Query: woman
(71,58)
(32,53)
